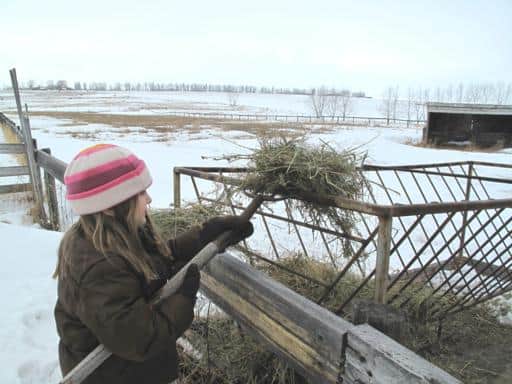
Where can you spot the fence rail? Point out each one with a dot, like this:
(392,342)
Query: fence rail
(311,119)
(13,149)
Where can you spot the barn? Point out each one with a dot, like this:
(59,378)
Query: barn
(482,125)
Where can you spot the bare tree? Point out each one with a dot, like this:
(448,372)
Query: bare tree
(389,103)
(409,105)
(333,104)
(460,93)
(449,93)
(233,98)
(62,84)
(319,100)
(419,104)
(503,92)
(473,93)
(346,102)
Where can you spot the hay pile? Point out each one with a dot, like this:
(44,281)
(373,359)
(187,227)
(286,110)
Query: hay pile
(293,169)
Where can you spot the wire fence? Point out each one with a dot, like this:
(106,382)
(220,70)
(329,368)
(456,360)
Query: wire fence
(310,119)
(450,233)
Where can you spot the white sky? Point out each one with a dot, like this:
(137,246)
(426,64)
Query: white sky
(361,45)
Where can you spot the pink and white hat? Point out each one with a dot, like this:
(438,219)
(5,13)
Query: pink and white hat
(102,176)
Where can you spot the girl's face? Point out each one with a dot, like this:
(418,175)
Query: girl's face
(143,199)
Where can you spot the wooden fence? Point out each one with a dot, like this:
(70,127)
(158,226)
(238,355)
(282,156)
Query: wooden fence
(13,149)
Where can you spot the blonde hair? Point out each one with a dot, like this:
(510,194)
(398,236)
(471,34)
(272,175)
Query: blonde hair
(115,232)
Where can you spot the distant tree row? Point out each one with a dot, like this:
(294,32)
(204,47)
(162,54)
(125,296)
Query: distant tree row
(176,87)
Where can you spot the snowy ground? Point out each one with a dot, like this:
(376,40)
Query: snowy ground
(161,102)
(27,327)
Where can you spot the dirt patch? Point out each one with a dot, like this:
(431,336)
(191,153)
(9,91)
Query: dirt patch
(453,147)
(175,124)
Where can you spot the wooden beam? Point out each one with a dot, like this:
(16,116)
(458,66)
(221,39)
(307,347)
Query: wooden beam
(35,175)
(382,262)
(177,188)
(52,165)
(18,170)
(13,188)
(51,195)
(319,345)
(12,148)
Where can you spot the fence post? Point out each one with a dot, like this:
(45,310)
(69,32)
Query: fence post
(53,206)
(382,262)
(465,213)
(177,188)
(35,175)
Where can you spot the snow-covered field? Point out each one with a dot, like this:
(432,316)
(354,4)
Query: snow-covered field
(27,330)
(162,102)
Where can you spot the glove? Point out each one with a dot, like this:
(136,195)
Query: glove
(242,229)
(191,281)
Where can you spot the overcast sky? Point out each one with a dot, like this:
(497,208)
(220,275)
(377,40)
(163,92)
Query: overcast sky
(361,45)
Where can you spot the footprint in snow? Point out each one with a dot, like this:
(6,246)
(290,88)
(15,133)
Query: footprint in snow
(39,372)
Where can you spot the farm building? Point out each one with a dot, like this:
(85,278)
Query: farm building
(483,125)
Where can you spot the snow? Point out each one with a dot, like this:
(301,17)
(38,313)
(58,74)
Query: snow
(163,102)
(27,329)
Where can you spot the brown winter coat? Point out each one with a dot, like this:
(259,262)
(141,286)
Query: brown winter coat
(103,300)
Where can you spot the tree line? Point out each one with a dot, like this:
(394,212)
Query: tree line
(173,87)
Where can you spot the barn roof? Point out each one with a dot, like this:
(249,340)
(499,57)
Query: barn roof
(474,109)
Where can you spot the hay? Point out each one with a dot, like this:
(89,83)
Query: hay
(172,222)
(296,170)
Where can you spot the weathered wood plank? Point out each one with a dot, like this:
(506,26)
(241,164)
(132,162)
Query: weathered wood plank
(177,188)
(282,342)
(51,195)
(52,165)
(35,175)
(11,148)
(307,336)
(17,170)
(382,263)
(13,188)
(375,358)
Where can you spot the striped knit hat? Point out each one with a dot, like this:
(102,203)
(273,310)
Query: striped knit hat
(102,176)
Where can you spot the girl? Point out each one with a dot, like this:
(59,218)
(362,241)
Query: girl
(110,263)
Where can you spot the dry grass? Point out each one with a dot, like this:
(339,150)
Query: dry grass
(171,124)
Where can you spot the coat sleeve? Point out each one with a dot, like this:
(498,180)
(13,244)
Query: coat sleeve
(185,246)
(112,306)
